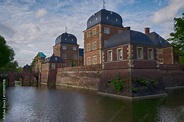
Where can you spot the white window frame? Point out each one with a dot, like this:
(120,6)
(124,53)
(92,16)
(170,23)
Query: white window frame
(88,61)
(106,30)
(94,45)
(152,54)
(53,66)
(109,55)
(88,47)
(74,48)
(94,59)
(94,31)
(121,52)
(141,53)
(88,34)
(74,57)
(64,56)
(64,47)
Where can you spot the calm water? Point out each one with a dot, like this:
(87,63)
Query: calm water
(40,104)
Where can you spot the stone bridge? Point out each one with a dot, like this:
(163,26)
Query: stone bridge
(27,78)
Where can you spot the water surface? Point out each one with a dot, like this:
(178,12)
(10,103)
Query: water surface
(41,104)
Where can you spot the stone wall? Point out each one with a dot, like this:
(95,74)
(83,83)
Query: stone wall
(80,76)
(172,75)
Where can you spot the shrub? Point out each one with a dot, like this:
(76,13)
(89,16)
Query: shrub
(118,84)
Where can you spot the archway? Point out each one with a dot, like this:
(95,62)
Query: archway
(34,81)
(19,81)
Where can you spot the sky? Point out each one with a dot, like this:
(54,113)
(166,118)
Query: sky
(31,26)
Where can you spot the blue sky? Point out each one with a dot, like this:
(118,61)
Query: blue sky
(30,26)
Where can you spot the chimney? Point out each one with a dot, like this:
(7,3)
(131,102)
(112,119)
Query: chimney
(127,28)
(146,30)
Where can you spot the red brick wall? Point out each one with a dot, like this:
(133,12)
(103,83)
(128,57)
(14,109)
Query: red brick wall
(100,37)
(58,51)
(81,76)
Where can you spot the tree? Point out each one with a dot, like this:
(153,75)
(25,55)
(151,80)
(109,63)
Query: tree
(7,62)
(177,37)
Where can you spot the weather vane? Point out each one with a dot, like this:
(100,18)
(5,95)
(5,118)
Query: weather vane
(104,4)
(66,29)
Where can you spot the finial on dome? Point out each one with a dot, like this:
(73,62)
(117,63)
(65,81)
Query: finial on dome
(104,4)
(66,29)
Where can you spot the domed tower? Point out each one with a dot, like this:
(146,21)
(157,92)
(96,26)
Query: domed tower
(100,27)
(67,48)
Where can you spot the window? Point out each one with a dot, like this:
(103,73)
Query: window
(53,66)
(74,56)
(109,55)
(119,54)
(88,34)
(88,47)
(64,47)
(64,56)
(95,59)
(94,45)
(161,60)
(150,53)
(160,51)
(74,48)
(94,32)
(88,61)
(80,58)
(56,58)
(120,31)
(106,30)
(139,53)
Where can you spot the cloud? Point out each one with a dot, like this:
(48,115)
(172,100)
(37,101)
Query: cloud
(6,31)
(168,12)
(41,12)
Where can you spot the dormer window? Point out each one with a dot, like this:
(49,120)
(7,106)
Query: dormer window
(111,12)
(107,17)
(106,30)
(96,18)
(65,38)
(116,19)
(56,58)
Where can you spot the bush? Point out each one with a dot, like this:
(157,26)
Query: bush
(118,84)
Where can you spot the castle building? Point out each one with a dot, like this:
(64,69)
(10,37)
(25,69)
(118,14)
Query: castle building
(166,53)
(38,60)
(100,27)
(67,48)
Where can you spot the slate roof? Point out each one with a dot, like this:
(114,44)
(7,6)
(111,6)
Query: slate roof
(158,40)
(54,59)
(105,17)
(81,52)
(129,36)
(66,38)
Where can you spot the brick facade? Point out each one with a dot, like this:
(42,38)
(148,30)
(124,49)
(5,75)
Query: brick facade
(96,35)
(68,52)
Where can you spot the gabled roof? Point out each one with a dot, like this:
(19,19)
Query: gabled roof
(54,59)
(158,40)
(105,17)
(129,36)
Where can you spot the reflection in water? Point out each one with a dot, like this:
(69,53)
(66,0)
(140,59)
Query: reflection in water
(41,104)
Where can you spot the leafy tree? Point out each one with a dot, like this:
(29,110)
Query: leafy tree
(7,62)
(177,37)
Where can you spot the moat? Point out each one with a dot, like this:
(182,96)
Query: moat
(42,104)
